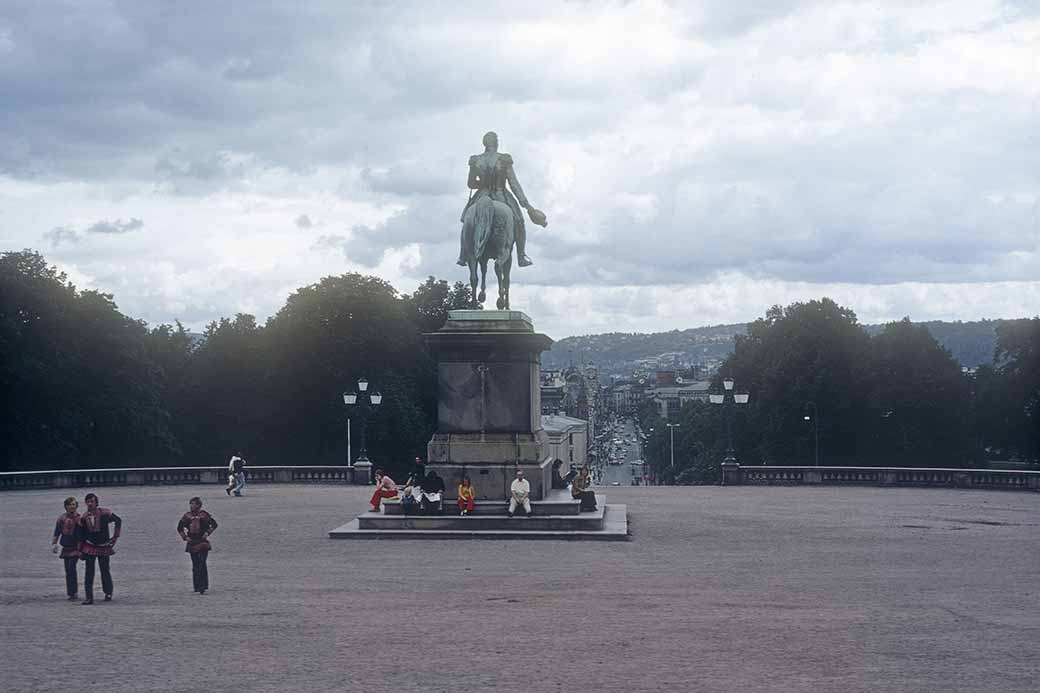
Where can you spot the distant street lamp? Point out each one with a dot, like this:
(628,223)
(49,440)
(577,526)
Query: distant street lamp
(727,413)
(671,436)
(355,401)
(816,428)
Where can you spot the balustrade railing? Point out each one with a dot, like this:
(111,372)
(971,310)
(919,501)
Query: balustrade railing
(1012,480)
(78,478)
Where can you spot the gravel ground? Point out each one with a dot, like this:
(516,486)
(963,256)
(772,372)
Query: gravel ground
(720,589)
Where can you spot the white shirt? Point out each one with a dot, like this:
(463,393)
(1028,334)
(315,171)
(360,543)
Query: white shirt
(520,488)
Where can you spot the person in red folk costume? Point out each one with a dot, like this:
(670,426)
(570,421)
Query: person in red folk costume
(98,545)
(66,531)
(195,527)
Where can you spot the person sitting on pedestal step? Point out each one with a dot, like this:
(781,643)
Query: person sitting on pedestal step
(520,494)
(467,494)
(385,488)
(579,491)
(432,494)
(409,503)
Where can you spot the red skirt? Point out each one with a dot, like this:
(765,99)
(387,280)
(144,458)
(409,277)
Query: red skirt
(198,547)
(88,549)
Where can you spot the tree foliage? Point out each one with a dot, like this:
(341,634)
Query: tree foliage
(86,386)
(896,398)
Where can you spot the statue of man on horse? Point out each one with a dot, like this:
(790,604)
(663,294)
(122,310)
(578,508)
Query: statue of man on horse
(492,221)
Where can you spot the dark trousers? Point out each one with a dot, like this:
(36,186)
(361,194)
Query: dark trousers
(88,575)
(71,581)
(199,572)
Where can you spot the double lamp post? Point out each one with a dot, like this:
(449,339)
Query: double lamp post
(736,398)
(362,403)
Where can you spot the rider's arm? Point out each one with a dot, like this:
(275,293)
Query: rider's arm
(473,183)
(514,185)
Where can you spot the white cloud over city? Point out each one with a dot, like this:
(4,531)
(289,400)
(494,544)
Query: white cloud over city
(698,163)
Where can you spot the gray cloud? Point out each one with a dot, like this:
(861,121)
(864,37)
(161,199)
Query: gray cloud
(116,227)
(888,144)
(61,235)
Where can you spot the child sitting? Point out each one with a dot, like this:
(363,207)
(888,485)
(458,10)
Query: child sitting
(466,495)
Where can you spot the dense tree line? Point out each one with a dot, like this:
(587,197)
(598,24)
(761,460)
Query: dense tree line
(85,386)
(895,398)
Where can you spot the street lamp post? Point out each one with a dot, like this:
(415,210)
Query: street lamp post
(816,430)
(363,402)
(671,439)
(727,414)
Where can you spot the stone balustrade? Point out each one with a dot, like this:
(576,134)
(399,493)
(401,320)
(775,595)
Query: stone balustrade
(78,478)
(734,474)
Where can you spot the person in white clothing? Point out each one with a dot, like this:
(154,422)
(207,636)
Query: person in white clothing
(236,475)
(520,494)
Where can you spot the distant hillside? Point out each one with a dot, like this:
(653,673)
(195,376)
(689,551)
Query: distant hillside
(970,343)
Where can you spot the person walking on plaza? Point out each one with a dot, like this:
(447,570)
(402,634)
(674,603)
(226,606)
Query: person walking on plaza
(194,527)
(98,545)
(520,494)
(236,475)
(66,531)
(385,488)
(466,496)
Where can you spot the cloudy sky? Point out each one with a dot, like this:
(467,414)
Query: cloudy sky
(698,162)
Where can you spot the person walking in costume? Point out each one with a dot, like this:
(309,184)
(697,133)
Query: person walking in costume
(98,545)
(194,527)
(66,531)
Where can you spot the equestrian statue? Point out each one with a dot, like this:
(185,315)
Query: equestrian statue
(492,221)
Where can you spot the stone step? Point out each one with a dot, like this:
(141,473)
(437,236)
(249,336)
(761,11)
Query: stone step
(613,526)
(559,503)
(521,523)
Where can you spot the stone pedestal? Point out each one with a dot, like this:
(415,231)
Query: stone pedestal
(489,403)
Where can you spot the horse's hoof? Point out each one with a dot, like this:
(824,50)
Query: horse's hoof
(481,297)
(501,304)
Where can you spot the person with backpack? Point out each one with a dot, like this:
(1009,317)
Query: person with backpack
(236,475)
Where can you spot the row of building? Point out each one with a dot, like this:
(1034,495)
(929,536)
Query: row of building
(574,402)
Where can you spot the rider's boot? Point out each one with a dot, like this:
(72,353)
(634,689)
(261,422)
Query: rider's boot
(462,251)
(521,244)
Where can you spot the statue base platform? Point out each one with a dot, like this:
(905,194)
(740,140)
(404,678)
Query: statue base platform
(556,517)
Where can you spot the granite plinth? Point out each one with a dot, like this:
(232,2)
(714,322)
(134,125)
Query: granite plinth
(492,480)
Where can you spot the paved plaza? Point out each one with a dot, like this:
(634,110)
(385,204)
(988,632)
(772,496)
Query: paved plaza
(719,589)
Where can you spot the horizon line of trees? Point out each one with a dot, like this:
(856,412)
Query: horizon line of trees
(85,386)
(894,398)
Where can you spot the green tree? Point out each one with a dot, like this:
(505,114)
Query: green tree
(79,387)
(920,410)
(1018,359)
(430,302)
(808,352)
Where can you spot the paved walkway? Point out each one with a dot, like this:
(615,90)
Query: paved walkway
(720,589)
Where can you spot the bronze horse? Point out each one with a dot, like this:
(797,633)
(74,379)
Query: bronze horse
(488,234)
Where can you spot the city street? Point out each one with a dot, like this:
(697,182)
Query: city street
(628,451)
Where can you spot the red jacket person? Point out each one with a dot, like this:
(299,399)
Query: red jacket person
(98,545)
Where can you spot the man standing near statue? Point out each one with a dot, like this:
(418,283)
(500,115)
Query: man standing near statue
(488,175)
